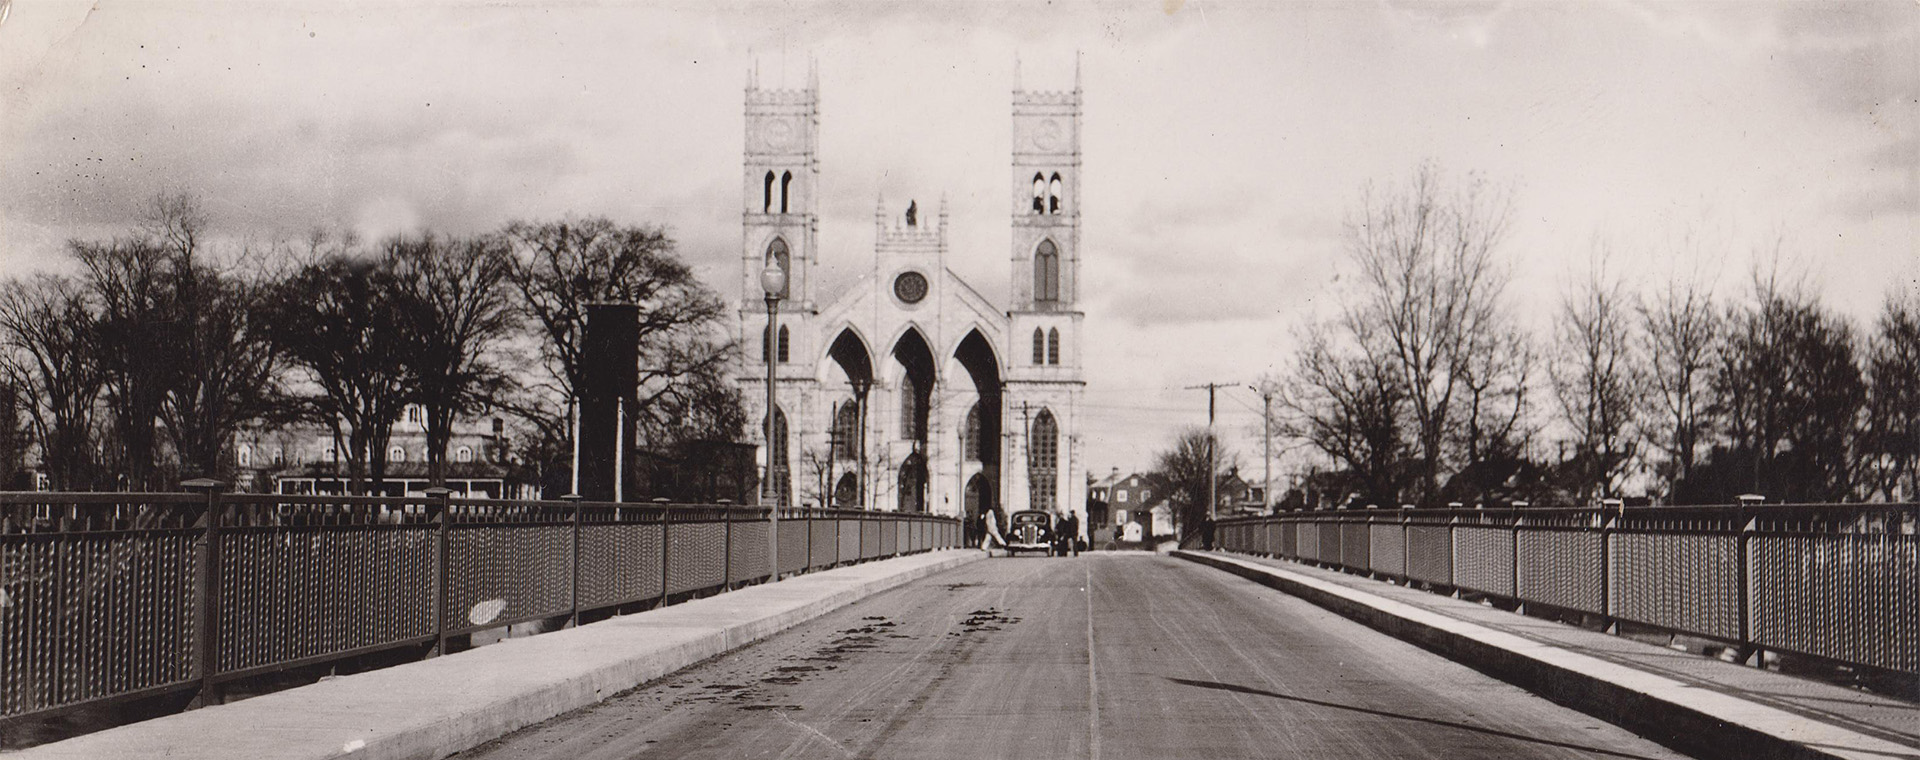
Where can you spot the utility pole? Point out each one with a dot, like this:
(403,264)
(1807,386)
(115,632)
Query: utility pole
(1266,391)
(1213,497)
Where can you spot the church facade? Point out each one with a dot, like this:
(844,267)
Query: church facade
(909,390)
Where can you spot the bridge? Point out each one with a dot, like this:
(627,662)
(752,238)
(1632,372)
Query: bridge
(662,631)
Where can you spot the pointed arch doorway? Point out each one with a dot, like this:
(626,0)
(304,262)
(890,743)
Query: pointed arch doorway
(979,501)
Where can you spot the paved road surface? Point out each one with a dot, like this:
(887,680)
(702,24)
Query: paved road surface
(1105,657)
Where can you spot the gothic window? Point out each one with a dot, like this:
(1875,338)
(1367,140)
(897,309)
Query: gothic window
(786,181)
(1039,193)
(244,456)
(1053,194)
(1046,273)
(972,447)
(913,414)
(778,460)
(396,454)
(766,195)
(1043,460)
(1053,346)
(777,250)
(1039,346)
(463,454)
(846,423)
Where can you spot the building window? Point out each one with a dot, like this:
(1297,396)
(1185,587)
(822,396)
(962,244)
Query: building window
(1039,346)
(1043,461)
(1053,194)
(1122,496)
(778,251)
(786,183)
(1046,272)
(397,454)
(972,445)
(785,355)
(463,454)
(1039,193)
(846,421)
(1145,493)
(243,456)
(414,413)
(913,412)
(1053,346)
(766,199)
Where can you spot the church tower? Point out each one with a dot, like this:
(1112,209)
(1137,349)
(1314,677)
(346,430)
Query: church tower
(780,177)
(780,219)
(1044,380)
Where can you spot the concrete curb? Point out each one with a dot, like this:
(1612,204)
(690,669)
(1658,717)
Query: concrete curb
(437,707)
(1698,721)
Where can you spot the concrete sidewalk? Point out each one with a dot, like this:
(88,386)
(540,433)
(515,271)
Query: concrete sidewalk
(437,707)
(1698,705)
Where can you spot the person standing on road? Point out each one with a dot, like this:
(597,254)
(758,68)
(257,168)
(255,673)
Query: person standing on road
(1070,532)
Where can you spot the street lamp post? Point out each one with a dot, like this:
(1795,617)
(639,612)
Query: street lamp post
(860,387)
(772,280)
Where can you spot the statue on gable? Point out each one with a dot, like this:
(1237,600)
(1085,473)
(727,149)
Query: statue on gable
(913,213)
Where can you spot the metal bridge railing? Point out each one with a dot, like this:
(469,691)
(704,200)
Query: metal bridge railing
(108,597)
(1839,582)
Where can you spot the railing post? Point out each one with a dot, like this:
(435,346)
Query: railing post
(1513,577)
(1749,652)
(666,549)
(1406,548)
(1606,572)
(573,603)
(726,551)
(209,590)
(1453,554)
(439,495)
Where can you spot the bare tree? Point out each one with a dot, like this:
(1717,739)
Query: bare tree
(339,321)
(1683,329)
(1181,473)
(687,393)
(1893,407)
(459,311)
(47,355)
(1349,404)
(1597,380)
(1791,395)
(1431,288)
(1497,379)
(227,369)
(130,281)
(562,267)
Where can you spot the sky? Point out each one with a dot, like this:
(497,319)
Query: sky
(1225,145)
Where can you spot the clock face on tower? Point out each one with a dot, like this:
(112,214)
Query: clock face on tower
(1047,136)
(910,287)
(779,135)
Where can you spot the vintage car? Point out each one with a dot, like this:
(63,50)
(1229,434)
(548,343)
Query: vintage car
(1030,530)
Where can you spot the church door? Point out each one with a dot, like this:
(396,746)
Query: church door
(913,484)
(978,500)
